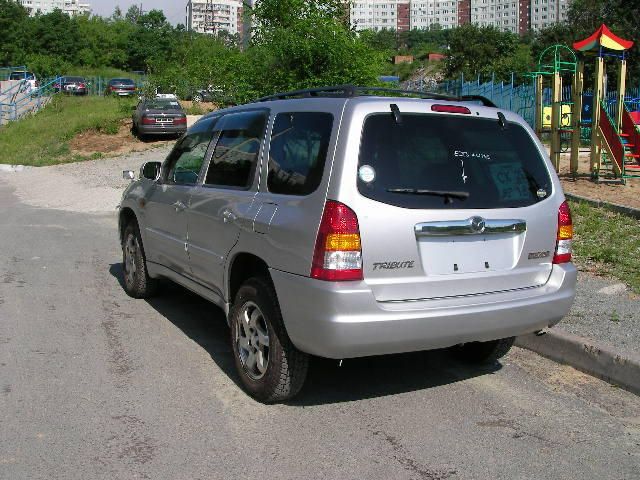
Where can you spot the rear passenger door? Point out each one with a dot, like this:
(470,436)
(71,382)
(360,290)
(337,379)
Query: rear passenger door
(292,193)
(222,205)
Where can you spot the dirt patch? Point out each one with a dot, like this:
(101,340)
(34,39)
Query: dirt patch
(205,107)
(607,190)
(92,142)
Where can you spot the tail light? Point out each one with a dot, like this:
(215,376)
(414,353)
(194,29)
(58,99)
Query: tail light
(148,121)
(113,88)
(565,235)
(82,85)
(180,121)
(338,253)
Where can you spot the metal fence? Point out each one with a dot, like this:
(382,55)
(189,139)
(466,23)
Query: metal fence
(520,98)
(21,99)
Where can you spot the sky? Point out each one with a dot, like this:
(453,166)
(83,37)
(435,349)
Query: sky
(174,10)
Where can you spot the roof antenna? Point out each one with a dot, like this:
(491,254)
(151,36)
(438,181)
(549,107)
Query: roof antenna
(396,114)
(502,120)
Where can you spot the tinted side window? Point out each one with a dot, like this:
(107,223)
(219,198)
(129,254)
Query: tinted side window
(235,157)
(188,156)
(299,145)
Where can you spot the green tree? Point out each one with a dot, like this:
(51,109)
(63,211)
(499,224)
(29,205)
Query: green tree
(301,44)
(153,36)
(14,21)
(55,34)
(272,15)
(196,61)
(484,51)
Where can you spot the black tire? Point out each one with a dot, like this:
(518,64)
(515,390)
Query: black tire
(136,280)
(484,352)
(283,373)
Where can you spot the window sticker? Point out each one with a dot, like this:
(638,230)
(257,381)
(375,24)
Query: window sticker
(367,173)
(465,154)
(510,181)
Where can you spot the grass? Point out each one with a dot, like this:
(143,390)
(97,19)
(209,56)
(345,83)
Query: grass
(194,109)
(43,139)
(607,242)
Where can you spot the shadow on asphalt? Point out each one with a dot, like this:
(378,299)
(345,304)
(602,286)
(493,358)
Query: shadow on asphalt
(327,382)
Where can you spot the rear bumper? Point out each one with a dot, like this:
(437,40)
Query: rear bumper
(343,319)
(161,129)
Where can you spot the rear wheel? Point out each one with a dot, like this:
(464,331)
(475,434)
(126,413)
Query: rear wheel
(484,352)
(137,282)
(270,367)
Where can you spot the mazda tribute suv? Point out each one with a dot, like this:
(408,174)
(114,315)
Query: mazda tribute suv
(346,222)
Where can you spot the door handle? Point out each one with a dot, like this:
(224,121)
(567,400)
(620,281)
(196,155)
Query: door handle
(229,216)
(179,206)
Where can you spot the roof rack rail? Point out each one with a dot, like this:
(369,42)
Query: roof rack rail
(349,91)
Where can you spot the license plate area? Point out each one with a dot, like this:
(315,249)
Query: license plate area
(447,255)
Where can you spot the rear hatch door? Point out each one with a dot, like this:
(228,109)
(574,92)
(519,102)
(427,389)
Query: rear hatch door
(452,205)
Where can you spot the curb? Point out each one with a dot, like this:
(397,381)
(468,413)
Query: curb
(614,207)
(12,168)
(587,356)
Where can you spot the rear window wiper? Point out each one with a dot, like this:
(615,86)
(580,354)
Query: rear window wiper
(447,195)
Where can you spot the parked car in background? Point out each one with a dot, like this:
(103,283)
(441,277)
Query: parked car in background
(209,94)
(159,116)
(122,87)
(30,77)
(72,85)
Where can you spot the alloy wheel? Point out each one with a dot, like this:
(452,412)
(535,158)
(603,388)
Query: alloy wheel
(252,340)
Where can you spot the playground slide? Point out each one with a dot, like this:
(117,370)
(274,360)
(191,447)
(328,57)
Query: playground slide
(611,141)
(631,137)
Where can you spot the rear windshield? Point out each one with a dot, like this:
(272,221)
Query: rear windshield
(404,163)
(162,104)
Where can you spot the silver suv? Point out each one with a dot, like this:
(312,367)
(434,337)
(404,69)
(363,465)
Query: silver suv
(341,223)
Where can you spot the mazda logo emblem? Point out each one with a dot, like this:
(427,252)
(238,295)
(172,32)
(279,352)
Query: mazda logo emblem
(477,224)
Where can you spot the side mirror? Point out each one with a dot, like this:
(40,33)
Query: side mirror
(151,170)
(129,175)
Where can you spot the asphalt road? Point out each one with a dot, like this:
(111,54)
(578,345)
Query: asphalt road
(95,385)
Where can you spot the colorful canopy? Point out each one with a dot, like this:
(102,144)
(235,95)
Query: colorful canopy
(602,37)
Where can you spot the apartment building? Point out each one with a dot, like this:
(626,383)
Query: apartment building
(70,7)
(517,16)
(545,13)
(380,15)
(214,16)
(506,15)
(425,13)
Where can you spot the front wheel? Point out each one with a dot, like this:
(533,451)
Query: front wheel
(484,352)
(270,367)
(137,282)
